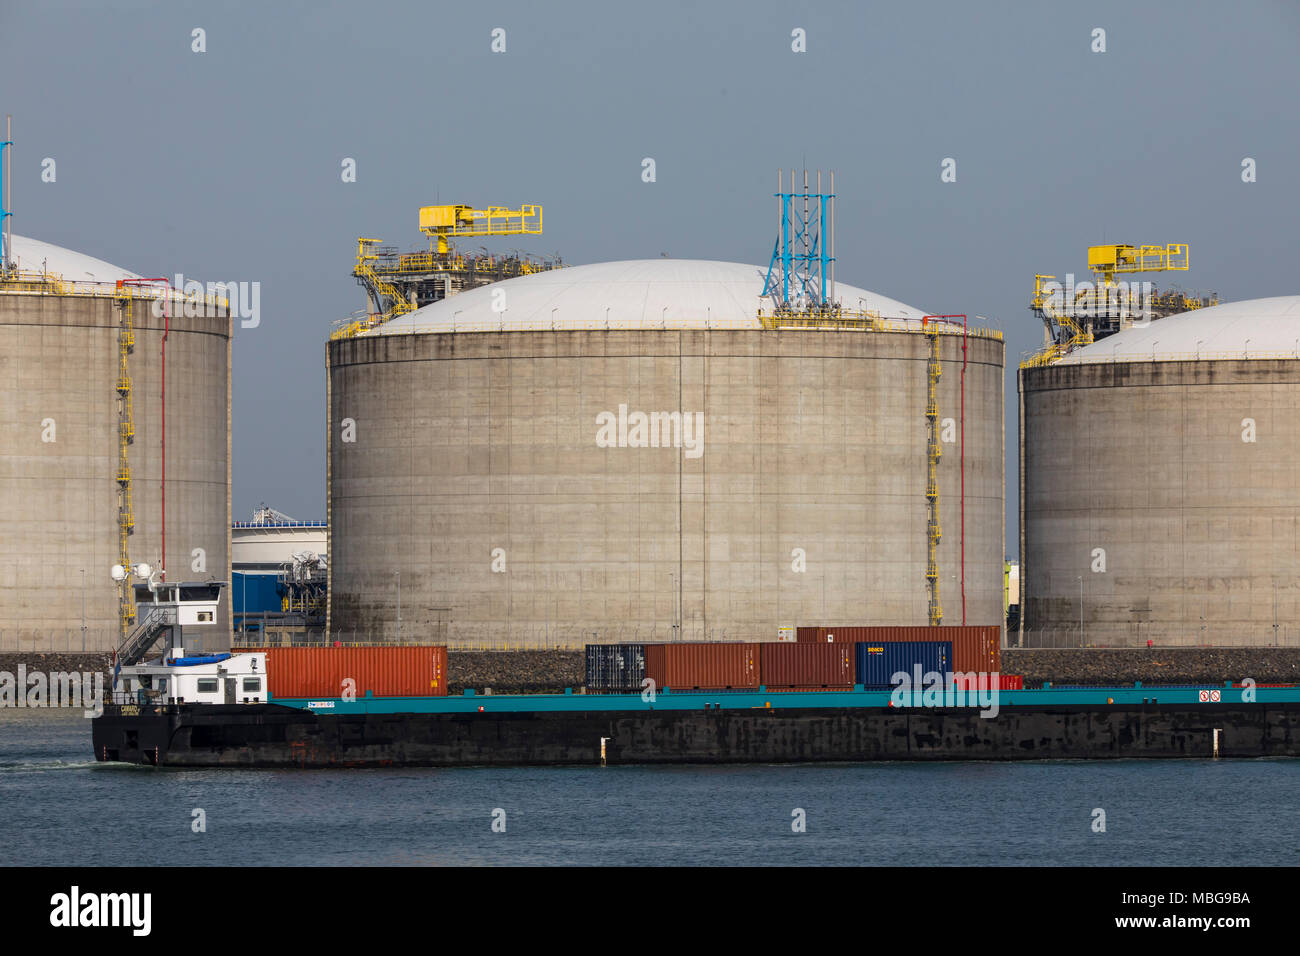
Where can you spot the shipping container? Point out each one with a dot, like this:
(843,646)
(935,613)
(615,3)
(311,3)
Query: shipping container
(879,661)
(702,665)
(975,648)
(810,666)
(615,666)
(395,670)
(981,681)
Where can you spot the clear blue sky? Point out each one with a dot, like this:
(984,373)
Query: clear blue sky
(225,165)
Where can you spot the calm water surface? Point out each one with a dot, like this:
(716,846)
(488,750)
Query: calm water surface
(58,806)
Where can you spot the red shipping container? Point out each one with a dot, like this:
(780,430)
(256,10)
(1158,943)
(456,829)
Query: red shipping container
(974,647)
(1005,682)
(702,665)
(806,666)
(385,671)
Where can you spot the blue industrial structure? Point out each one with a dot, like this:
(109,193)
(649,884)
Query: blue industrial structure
(801,274)
(5,252)
(256,593)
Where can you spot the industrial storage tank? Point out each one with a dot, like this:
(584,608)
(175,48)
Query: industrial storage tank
(82,463)
(624,451)
(1160,483)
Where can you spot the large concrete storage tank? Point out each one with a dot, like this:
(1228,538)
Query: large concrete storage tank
(484,484)
(1160,483)
(61,331)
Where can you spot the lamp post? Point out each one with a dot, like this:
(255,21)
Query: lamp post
(1081,610)
(672,628)
(398,575)
(83,609)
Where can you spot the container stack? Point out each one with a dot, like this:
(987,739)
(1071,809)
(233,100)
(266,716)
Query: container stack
(974,648)
(821,659)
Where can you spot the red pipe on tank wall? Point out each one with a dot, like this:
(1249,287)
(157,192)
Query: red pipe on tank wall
(166,328)
(167,324)
(965,334)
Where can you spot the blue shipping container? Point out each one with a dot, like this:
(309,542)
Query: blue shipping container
(878,662)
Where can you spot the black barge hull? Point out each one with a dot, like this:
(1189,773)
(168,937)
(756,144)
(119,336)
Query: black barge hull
(269,735)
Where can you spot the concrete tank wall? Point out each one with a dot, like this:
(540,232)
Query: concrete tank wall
(1146,462)
(58,500)
(471,442)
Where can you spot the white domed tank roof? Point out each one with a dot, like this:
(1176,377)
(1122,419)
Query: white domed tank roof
(632,294)
(32,255)
(1251,328)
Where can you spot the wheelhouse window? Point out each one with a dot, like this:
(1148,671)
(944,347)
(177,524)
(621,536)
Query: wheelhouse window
(207,685)
(252,685)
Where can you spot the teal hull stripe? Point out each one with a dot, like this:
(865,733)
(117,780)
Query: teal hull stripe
(744,700)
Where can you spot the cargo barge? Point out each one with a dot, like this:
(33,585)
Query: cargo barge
(701,703)
(701,727)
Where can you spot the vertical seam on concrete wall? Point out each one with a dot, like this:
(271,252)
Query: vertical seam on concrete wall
(230,577)
(329,493)
(705,556)
(1022,509)
(679,600)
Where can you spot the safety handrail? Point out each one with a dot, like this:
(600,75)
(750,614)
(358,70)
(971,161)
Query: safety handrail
(1046,358)
(145,633)
(354,326)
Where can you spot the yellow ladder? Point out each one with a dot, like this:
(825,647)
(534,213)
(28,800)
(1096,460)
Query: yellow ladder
(125,437)
(933,453)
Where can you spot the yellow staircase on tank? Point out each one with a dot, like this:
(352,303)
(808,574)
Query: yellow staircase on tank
(933,453)
(125,437)
(381,285)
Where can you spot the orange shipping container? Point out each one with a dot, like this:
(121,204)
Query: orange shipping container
(808,666)
(974,647)
(385,671)
(702,666)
